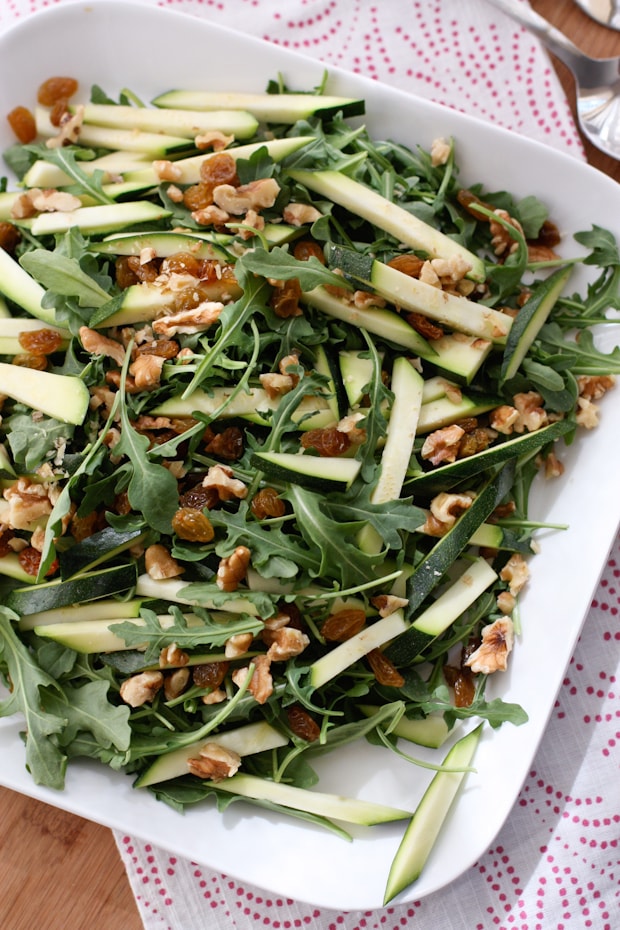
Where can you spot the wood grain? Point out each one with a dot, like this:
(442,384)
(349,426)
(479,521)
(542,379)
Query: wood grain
(60,872)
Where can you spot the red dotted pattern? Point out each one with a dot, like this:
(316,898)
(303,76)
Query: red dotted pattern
(556,862)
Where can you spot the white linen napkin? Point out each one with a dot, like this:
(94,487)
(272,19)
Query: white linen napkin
(556,861)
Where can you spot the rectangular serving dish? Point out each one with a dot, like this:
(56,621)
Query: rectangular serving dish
(157,50)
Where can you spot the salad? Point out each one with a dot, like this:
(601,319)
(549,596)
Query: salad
(275,395)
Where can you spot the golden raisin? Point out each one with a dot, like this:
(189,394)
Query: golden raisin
(210,674)
(308,248)
(83,527)
(407,264)
(162,348)
(54,89)
(181,263)
(219,169)
(343,624)
(5,538)
(302,724)
(22,122)
(285,299)
(10,237)
(58,111)
(198,196)
(36,362)
(40,341)
(461,680)
(227,445)
(125,275)
(30,558)
(424,326)
(145,272)
(267,503)
(200,498)
(192,525)
(328,441)
(384,670)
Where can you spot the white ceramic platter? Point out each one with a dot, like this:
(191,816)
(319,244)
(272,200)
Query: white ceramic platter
(150,50)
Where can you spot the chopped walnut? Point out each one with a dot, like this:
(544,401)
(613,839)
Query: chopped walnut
(252,223)
(214,762)
(492,654)
(189,321)
(49,201)
(592,387)
(285,643)
(237,645)
(587,413)
(210,216)
(214,139)
(297,214)
(256,195)
(446,508)
(501,240)
(532,416)
(442,445)
(141,689)
(172,657)
(261,683)
(221,478)
(166,170)
(388,604)
(553,466)
(440,152)
(69,129)
(515,572)
(96,343)
(348,426)
(28,502)
(506,602)
(217,696)
(146,371)
(175,683)
(503,419)
(160,564)
(276,385)
(232,569)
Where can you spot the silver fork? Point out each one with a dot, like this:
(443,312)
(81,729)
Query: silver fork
(597,80)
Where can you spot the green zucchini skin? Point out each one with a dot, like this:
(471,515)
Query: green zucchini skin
(448,476)
(58,593)
(272,108)
(429,816)
(529,320)
(319,473)
(95,549)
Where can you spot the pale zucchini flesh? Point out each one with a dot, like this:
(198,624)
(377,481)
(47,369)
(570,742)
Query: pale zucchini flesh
(64,397)
(271,108)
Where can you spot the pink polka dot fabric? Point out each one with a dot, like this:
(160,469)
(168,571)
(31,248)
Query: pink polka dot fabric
(556,862)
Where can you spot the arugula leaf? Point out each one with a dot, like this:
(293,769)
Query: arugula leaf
(208,632)
(387,519)
(66,158)
(36,440)
(63,276)
(495,712)
(45,760)
(86,709)
(603,246)
(279,264)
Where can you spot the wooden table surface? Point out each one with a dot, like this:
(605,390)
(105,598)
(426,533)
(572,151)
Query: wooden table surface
(59,872)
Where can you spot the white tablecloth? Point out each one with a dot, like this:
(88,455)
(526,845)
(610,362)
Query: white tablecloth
(556,862)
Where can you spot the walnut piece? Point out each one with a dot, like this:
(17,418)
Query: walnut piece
(221,478)
(516,572)
(261,683)
(297,214)
(285,643)
(160,564)
(172,657)
(96,343)
(175,683)
(189,321)
(141,689)
(28,502)
(256,195)
(492,654)
(237,645)
(232,569)
(146,371)
(214,762)
(442,445)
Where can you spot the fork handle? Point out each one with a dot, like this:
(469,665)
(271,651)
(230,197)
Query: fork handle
(555,40)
